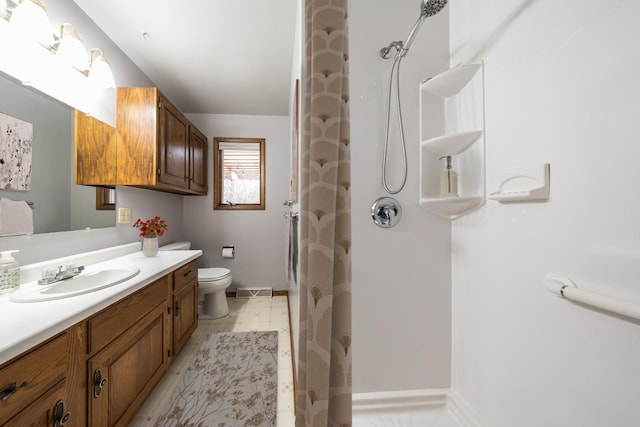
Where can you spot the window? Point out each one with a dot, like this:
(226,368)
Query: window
(105,198)
(238,173)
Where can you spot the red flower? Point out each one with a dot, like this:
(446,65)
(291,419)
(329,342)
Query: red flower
(153,227)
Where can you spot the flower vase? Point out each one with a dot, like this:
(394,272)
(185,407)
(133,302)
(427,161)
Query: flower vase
(150,246)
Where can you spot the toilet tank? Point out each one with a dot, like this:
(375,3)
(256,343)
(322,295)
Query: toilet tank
(176,246)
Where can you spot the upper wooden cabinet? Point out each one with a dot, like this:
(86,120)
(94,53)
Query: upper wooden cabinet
(94,150)
(198,161)
(157,146)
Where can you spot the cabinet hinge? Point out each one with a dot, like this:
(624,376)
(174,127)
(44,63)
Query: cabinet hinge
(158,172)
(168,352)
(159,104)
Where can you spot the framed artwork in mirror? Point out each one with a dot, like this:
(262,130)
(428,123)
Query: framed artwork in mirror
(16,140)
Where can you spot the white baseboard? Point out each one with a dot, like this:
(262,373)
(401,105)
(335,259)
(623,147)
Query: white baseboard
(399,400)
(416,401)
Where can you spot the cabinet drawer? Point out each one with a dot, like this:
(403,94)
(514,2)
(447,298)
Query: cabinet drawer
(183,275)
(107,325)
(28,377)
(41,413)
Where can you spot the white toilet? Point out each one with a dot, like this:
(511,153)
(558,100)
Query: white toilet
(212,285)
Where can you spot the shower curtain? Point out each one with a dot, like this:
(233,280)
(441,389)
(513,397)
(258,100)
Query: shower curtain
(324,369)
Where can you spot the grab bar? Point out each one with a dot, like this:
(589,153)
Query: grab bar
(563,286)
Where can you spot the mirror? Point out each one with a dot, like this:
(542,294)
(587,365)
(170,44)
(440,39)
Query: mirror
(58,204)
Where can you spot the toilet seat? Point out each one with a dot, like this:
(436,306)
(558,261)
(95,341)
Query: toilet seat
(213,274)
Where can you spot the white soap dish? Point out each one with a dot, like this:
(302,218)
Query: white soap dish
(523,184)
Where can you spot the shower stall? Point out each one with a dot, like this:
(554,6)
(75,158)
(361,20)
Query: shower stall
(401,275)
(463,331)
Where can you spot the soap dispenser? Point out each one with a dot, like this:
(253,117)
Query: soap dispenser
(448,180)
(9,272)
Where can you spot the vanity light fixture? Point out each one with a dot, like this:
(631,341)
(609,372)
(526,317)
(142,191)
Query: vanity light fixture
(29,22)
(100,74)
(70,48)
(29,26)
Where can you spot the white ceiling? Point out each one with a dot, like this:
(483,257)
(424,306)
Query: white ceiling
(207,56)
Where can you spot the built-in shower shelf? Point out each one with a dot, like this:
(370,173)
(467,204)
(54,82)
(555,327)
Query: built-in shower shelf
(452,81)
(451,206)
(449,145)
(462,89)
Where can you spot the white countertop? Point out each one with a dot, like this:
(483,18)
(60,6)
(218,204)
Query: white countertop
(24,325)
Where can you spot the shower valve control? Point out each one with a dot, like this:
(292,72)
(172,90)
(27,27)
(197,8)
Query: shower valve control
(386,212)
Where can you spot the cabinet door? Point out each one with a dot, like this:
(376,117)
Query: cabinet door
(173,145)
(124,373)
(136,142)
(185,314)
(197,161)
(95,151)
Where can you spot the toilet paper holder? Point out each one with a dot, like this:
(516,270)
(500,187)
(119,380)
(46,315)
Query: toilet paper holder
(229,251)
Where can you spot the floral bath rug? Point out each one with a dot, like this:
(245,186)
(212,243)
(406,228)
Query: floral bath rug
(232,382)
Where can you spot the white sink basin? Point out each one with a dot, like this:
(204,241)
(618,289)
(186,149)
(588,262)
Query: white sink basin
(88,281)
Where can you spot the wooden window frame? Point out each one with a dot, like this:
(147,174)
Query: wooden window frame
(218,179)
(103,201)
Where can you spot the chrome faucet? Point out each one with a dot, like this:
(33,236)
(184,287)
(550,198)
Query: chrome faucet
(69,272)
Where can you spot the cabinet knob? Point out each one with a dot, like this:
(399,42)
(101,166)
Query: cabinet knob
(98,382)
(7,391)
(60,417)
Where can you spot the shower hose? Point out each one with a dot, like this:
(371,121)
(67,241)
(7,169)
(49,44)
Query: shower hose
(394,69)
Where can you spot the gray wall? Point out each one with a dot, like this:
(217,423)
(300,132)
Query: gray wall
(259,236)
(402,275)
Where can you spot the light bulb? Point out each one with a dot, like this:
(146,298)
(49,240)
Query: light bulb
(30,23)
(100,74)
(71,50)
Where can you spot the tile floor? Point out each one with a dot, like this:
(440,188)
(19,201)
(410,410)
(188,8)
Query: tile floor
(259,314)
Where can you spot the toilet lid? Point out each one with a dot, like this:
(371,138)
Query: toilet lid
(209,274)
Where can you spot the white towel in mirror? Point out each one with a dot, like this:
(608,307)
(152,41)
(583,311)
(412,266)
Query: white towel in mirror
(16,217)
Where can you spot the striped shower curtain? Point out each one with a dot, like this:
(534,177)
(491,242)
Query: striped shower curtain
(324,369)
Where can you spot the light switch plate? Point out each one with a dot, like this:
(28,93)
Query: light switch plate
(124,215)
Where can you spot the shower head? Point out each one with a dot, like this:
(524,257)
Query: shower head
(427,8)
(431,7)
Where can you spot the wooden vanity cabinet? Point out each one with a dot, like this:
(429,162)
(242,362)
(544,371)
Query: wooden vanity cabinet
(185,304)
(157,146)
(99,371)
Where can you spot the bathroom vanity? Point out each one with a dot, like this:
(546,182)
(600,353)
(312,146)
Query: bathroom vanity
(92,359)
